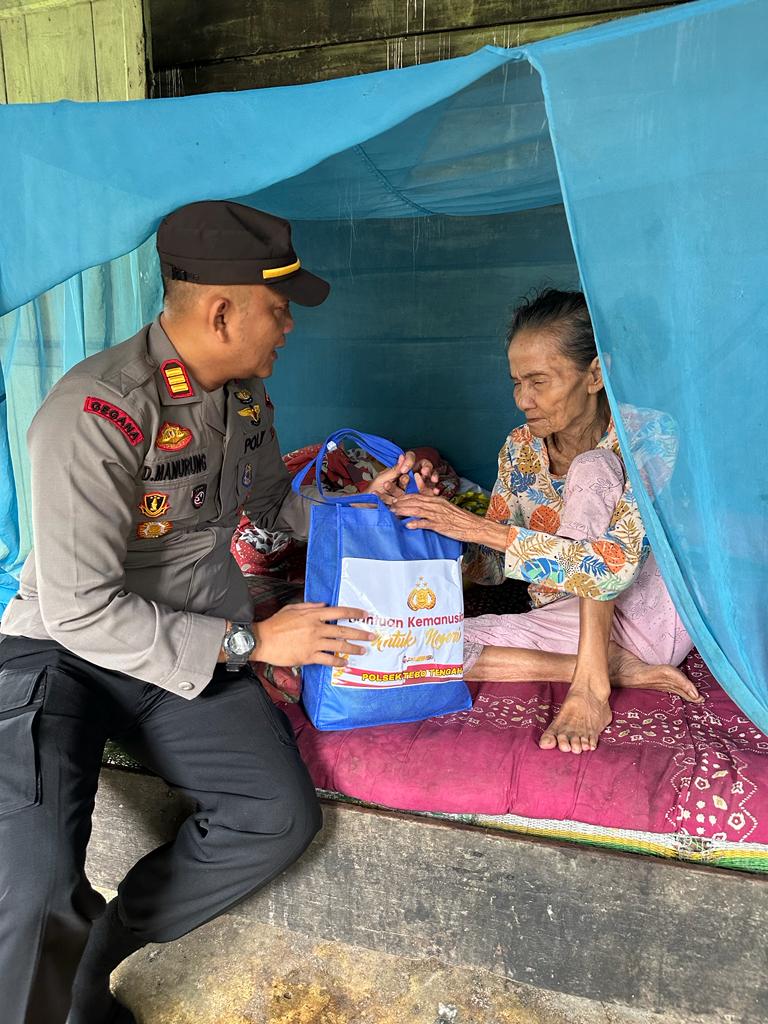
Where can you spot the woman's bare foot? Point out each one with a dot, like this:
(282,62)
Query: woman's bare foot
(576,728)
(626,670)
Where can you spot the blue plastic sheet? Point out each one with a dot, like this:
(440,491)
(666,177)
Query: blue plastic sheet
(432,197)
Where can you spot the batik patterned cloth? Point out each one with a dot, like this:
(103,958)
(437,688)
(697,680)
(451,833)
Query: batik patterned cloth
(529,499)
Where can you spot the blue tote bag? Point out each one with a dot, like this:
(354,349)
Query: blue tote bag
(409,583)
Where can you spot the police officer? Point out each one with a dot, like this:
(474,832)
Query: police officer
(134,622)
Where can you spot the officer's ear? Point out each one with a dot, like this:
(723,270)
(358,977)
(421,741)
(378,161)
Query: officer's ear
(219,313)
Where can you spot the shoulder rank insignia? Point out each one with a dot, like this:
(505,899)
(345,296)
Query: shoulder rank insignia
(172,437)
(154,504)
(253,412)
(116,416)
(150,531)
(176,379)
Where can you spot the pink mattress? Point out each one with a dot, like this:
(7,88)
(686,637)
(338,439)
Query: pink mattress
(663,767)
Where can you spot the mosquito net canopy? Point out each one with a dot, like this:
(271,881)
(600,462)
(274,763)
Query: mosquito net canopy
(628,160)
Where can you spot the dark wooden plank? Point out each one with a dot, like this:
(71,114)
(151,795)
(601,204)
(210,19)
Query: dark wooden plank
(187,31)
(613,927)
(291,67)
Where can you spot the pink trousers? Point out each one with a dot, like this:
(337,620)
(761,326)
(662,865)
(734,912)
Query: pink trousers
(645,623)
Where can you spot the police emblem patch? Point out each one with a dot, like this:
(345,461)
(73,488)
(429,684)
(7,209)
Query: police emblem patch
(172,437)
(116,416)
(247,475)
(198,495)
(253,412)
(176,379)
(150,531)
(154,504)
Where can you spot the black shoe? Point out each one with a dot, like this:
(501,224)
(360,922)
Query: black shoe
(117,1014)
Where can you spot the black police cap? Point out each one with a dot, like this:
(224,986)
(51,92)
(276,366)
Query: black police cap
(218,242)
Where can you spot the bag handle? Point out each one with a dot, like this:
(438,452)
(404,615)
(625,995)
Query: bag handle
(382,449)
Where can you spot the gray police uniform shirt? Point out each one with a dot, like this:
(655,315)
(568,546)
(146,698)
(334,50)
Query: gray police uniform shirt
(138,482)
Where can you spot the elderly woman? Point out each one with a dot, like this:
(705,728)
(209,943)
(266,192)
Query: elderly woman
(564,519)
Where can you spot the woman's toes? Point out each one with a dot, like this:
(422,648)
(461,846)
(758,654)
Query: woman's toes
(691,694)
(682,686)
(547,741)
(564,744)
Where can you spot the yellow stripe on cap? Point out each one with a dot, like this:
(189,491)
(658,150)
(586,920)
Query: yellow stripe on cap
(281,271)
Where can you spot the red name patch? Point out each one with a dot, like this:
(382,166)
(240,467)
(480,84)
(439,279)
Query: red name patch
(116,416)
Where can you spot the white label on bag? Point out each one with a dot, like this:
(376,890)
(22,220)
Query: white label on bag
(416,610)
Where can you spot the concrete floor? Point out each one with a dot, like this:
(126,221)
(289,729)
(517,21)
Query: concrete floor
(232,972)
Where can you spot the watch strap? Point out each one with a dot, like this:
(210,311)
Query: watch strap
(234,660)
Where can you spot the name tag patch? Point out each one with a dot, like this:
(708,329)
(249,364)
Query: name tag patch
(116,416)
(253,442)
(188,465)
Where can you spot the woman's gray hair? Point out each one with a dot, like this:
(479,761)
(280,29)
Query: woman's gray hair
(566,315)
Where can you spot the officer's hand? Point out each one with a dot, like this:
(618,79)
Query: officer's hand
(392,482)
(305,634)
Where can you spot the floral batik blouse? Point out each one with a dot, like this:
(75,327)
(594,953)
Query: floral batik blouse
(528,499)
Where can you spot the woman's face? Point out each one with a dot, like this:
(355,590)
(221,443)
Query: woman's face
(549,388)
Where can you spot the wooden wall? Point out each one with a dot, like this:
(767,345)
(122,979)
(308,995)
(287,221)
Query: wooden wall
(213,45)
(71,49)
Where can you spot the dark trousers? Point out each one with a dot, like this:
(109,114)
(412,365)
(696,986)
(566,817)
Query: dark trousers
(229,749)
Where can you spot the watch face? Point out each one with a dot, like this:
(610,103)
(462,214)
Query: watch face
(240,642)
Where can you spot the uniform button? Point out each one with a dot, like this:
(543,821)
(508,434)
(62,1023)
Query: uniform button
(186,686)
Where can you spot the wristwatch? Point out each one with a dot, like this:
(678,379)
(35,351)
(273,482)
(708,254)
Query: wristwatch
(238,643)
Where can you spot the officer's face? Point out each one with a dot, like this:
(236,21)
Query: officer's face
(259,325)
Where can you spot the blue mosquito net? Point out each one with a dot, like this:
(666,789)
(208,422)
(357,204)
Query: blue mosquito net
(629,159)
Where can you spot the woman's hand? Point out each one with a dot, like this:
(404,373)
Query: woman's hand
(432,513)
(393,482)
(306,634)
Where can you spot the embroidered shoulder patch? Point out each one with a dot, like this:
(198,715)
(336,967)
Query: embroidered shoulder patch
(116,416)
(176,379)
(172,437)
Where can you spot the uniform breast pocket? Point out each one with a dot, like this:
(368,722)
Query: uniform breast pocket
(177,506)
(173,495)
(21,697)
